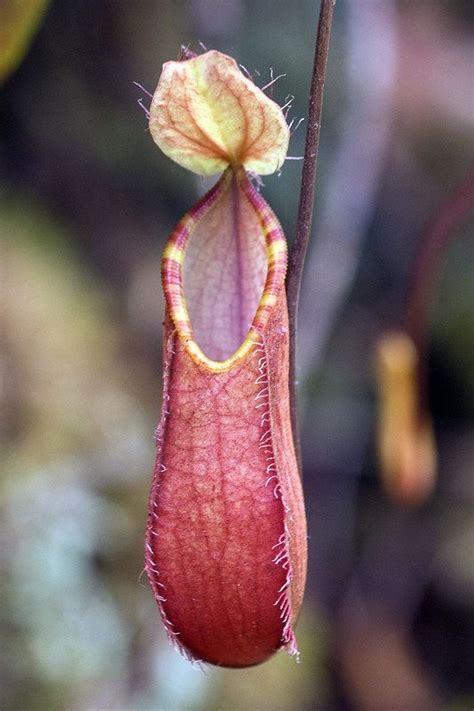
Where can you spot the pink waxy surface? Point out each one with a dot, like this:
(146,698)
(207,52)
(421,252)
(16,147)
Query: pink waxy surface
(226,507)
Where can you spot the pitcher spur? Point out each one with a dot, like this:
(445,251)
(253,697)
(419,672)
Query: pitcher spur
(225,546)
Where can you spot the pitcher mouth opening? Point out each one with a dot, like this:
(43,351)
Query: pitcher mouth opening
(221,287)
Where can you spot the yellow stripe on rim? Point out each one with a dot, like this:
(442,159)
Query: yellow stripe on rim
(268,300)
(173,252)
(275,248)
(220,366)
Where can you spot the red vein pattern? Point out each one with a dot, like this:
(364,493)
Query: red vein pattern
(225,548)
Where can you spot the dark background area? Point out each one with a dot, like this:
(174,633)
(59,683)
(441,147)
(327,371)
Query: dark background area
(87,201)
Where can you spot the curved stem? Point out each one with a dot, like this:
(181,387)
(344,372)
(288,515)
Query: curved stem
(434,240)
(305,209)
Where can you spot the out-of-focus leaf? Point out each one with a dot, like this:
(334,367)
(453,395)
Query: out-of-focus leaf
(19,20)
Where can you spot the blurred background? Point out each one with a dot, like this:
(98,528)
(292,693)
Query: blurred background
(87,201)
